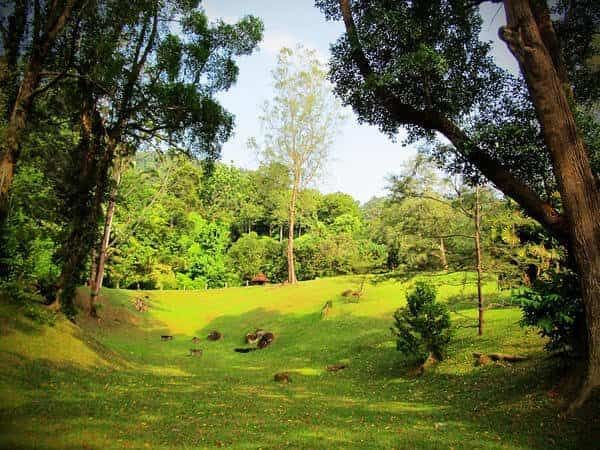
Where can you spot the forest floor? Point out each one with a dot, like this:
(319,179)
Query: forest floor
(115,384)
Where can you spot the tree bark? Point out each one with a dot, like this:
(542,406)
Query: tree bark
(93,260)
(91,161)
(490,167)
(102,253)
(443,258)
(532,42)
(290,245)
(479,267)
(579,190)
(17,120)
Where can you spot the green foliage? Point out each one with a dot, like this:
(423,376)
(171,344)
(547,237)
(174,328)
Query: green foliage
(335,205)
(331,253)
(203,248)
(423,326)
(39,314)
(252,254)
(554,305)
(30,241)
(426,54)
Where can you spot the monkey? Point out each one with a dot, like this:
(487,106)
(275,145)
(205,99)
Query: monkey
(195,340)
(195,352)
(266,338)
(166,337)
(253,338)
(283,377)
(214,336)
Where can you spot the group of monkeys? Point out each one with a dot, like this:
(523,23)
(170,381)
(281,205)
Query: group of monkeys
(260,338)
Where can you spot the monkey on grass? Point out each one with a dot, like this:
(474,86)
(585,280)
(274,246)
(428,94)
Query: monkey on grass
(264,341)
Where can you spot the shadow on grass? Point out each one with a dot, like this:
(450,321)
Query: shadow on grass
(229,399)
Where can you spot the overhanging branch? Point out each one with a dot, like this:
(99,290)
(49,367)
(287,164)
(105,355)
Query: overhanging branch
(491,168)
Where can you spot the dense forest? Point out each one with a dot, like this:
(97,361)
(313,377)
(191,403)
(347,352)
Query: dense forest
(173,226)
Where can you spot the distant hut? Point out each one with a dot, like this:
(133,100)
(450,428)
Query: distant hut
(259,280)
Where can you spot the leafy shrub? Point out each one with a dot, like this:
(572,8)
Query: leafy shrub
(39,314)
(554,305)
(29,303)
(423,326)
(252,254)
(16,293)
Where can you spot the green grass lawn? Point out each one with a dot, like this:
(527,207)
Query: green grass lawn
(115,384)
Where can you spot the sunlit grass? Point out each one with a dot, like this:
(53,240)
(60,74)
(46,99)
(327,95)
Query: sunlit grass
(117,385)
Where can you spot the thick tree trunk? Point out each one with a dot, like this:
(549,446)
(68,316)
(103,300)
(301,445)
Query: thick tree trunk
(17,120)
(290,245)
(443,258)
(479,266)
(90,165)
(579,190)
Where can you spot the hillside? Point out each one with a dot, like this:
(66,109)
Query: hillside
(115,384)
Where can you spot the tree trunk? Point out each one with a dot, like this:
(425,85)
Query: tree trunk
(443,259)
(478,262)
(280,233)
(17,120)
(578,188)
(90,164)
(99,275)
(93,261)
(290,246)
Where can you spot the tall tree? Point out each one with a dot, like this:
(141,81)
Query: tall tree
(420,64)
(29,34)
(299,126)
(146,84)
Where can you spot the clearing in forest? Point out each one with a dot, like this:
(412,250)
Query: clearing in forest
(116,384)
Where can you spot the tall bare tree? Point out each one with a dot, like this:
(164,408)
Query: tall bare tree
(299,126)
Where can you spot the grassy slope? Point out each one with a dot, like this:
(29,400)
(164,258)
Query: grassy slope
(116,385)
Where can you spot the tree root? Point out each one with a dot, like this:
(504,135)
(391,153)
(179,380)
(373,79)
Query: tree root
(582,394)
(427,364)
(482,358)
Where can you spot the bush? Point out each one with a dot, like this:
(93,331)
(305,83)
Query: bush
(422,328)
(554,305)
(39,314)
(29,303)
(252,254)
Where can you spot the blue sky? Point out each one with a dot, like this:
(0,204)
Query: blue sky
(361,157)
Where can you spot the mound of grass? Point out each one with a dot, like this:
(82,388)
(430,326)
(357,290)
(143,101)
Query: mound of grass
(115,384)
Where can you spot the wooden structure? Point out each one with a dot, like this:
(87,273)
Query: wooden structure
(259,280)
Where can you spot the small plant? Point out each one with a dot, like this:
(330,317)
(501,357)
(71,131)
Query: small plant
(554,305)
(422,328)
(39,314)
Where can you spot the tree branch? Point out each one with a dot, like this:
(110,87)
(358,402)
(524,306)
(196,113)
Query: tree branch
(492,169)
